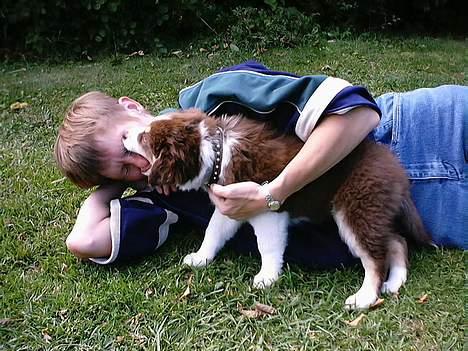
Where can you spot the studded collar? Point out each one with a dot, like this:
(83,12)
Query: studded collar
(217,144)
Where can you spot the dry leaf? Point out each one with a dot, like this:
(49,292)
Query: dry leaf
(119,339)
(46,337)
(250,313)
(187,290)
(265,308)
(356,322)
(186,293)
(149,292)
(377,303)
(18,106)
(260,310)
(423,299)
(62,314)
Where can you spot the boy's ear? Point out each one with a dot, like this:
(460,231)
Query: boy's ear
(130,104)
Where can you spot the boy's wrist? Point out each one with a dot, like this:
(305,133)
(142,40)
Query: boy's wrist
(276,189)
(110,191)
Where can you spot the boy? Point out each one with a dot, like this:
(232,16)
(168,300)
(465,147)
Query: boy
(330,115)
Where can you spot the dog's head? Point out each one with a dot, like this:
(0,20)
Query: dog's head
(171,143)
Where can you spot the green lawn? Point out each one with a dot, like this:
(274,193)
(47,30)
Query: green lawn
(49,300)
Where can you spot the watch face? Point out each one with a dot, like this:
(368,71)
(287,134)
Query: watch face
(274,205)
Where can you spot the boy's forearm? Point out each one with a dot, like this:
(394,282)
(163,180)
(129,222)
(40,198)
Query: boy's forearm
(90,236)
(96,207)
(328,144)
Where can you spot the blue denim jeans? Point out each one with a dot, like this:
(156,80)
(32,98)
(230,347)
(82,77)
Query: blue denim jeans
(428,130)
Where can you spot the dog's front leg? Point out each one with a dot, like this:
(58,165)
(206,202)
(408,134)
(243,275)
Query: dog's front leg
(220,229)
(271,229)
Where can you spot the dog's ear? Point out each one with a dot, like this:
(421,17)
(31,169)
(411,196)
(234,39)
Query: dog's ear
(175,143)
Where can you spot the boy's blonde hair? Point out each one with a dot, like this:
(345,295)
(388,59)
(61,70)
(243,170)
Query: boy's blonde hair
(75,149)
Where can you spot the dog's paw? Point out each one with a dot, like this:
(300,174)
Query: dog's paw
(196,260)
(396,279)
(361,300)
(264,280)
(391,287)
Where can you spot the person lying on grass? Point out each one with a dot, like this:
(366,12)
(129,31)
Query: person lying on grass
(426,128)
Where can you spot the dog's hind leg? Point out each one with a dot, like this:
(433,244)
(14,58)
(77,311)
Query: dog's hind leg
(397,258)
(271,229)
(219,231)
(374,266)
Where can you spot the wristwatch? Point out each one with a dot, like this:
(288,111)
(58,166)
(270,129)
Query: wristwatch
(273,205)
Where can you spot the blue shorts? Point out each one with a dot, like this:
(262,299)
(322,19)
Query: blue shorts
(427,130)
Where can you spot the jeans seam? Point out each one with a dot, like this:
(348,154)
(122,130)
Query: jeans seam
(396,121)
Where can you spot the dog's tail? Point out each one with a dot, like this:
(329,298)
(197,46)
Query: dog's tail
(411,224)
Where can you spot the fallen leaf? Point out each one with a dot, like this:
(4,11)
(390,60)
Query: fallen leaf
(149,292)
(62,314)
(261,310)
(177,53)
(355,323)
(265,308)
(233,47)
(18,106)
(187,290)
(377,303)
(423,299)
(119,339)
(185,294)
(139,53)
(250,313)
(46,337)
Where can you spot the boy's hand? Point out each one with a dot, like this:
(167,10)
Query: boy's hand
(238,201)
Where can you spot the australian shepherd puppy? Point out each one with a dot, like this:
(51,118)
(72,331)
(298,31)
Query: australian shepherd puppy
(367,193)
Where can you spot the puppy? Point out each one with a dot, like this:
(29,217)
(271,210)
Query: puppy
(367,193)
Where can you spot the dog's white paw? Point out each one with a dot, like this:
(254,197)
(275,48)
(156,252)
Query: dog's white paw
(396,279)
(196,260)
(391,287)
(264,280)
(361,300)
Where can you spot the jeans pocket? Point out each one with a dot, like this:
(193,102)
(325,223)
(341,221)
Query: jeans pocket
(432,171)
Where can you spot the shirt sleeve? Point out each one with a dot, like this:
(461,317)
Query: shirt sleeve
(350,98)
(138,227)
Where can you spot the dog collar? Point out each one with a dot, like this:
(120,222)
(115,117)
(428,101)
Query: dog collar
(217,144)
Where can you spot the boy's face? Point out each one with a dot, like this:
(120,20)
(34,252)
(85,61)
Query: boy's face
(121,164)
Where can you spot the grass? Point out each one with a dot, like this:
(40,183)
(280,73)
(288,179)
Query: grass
(49,300)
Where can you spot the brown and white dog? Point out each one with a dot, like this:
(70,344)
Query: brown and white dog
(367,193)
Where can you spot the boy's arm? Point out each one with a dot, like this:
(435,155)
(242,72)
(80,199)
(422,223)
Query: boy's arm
(90,236)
